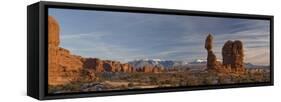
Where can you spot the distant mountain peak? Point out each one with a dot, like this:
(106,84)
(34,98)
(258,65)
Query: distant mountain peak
(146,59)
(156,62)
(200,60)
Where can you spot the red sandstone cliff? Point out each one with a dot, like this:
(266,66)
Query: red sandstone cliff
(63,67)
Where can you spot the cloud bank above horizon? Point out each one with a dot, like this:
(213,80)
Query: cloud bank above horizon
(127,36)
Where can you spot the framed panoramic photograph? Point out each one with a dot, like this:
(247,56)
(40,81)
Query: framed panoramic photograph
(82,50)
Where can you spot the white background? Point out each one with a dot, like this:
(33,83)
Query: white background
(13,51)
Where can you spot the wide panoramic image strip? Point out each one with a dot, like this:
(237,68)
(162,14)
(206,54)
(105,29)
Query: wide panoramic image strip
(102,50)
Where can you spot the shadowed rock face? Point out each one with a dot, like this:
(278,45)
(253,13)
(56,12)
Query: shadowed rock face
(232,53)
(94,64)
(106,65)
(227,53)
(209,42)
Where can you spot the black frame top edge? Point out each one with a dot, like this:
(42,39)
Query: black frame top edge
(83,6)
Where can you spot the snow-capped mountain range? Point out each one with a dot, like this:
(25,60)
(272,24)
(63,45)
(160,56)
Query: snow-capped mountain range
(156,62)
(170,63)
(198,61)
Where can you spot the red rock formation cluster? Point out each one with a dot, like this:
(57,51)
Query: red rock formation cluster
(63,67)
(106,65)
(94,64)
(150,69)
(115,66)
(232,53)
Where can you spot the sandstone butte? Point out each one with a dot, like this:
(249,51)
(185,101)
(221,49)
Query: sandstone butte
(232,54)
(62,65)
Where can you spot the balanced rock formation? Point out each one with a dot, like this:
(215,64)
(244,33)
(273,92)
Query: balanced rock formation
(232,54)
(62,66)
(212,62)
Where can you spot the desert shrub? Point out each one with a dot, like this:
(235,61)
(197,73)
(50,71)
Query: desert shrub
(209,80)
(54,89)
(73,86)
(135,75)
(167,82)
(193,81)
(130,84)
(123,87)
(153,80)
(182,83)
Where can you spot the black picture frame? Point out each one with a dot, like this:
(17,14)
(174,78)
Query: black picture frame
(37,48)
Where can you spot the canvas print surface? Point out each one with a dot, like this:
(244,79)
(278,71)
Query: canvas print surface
(90,51)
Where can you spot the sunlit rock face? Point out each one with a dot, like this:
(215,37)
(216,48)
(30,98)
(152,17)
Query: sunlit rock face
(63,67)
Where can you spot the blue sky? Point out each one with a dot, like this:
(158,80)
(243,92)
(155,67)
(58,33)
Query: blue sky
(129,36)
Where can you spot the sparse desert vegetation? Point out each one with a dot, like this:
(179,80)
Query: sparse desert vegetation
(140,80)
